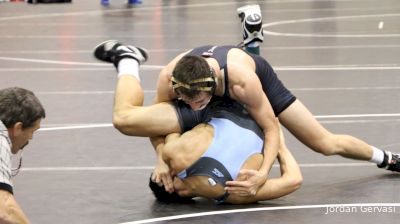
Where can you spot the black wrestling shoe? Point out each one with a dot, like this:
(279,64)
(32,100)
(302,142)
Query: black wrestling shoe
(113,51)
(391,161)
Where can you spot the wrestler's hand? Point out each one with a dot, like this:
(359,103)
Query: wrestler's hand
(162,176)
(247,183)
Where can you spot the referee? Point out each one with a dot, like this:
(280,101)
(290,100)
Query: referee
(20,116)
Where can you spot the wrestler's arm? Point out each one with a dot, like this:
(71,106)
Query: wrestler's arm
(181,150)
(162,173)
(248,90)
(164,93)
(171,151)
(290,180)
(10,211)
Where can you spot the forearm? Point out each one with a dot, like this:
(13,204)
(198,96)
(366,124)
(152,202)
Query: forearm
(273,188)
(290,180)
(271,146)
(289,167)
(158,143)
(276,188)
(10,211)
(263,114)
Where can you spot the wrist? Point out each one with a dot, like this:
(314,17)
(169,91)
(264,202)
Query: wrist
(263,172)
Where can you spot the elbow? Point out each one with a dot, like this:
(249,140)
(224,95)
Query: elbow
(296,181)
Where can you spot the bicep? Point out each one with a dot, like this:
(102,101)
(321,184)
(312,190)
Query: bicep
(250,93)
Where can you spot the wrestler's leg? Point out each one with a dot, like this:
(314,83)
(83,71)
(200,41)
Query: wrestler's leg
(252,31)
(129,115)
(302,124)
(131,118)
(308,130)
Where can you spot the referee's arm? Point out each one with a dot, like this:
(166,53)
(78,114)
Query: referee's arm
(10,211)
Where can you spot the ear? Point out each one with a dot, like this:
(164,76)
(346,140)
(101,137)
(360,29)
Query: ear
(16,129)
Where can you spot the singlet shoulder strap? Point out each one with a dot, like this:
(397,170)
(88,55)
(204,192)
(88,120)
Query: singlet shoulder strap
(200,50)
(219,53)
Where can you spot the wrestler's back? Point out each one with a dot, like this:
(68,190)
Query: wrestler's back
(186,149)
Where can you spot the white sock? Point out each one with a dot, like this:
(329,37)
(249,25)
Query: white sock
(377,155)
(128,66)
(254,44)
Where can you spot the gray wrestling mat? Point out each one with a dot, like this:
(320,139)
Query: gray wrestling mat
(341,58)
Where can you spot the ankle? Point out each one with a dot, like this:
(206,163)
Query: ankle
(128,66)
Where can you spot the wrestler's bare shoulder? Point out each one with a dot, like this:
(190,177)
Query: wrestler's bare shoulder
(238,60)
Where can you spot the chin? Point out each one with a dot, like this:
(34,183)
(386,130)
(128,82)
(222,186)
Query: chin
(15,151)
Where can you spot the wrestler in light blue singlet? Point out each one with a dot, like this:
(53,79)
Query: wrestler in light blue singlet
(231,147)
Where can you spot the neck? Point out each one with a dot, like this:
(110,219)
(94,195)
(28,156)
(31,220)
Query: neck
(219,76)
(220,85)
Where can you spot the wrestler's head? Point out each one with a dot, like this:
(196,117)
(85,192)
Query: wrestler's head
(162,195)
(193,81)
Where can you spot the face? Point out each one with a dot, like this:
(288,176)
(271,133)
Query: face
(20,136)
(199,102)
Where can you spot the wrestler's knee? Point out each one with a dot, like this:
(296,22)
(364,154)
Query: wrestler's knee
(122,125)
(328,145)
(116,119)
(119,124)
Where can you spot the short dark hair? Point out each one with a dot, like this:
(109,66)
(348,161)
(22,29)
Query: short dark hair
(189,68)
(163,196)
(20,105)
